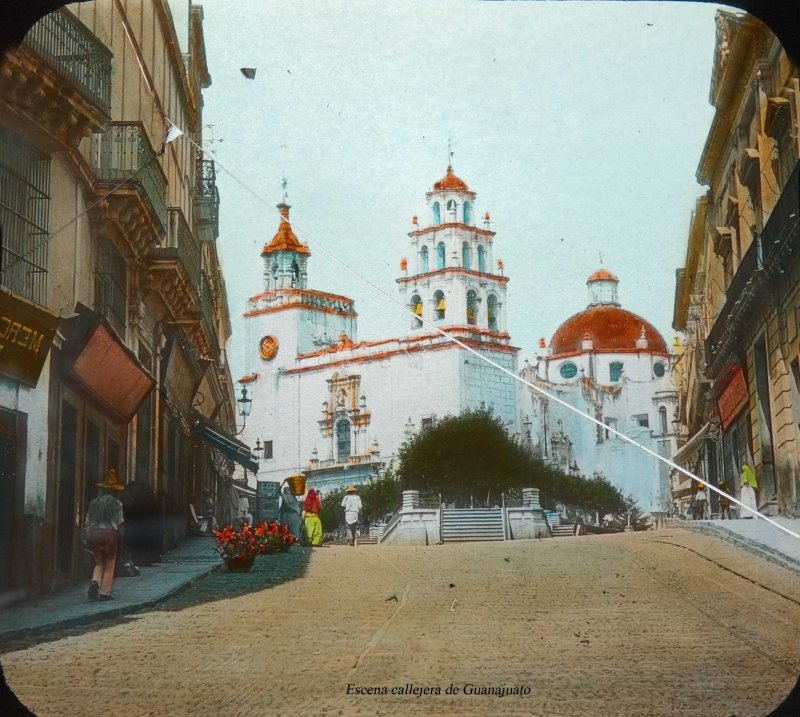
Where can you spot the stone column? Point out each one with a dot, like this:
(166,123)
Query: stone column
(410,499)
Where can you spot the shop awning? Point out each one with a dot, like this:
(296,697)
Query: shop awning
(104,366)
(694,444)
(227,445)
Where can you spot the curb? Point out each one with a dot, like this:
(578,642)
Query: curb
(752,546)
(112,613)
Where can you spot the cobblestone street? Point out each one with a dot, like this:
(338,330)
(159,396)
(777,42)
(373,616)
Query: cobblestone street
(636,624)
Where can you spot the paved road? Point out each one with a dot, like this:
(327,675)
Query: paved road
(636,624)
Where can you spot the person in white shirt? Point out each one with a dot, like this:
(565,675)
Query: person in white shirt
(351,504)
(103,519)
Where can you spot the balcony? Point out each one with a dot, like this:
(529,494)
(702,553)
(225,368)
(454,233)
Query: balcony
(175,267)
(70,49)
(206,200)
(208,315)
(765,262)
(124,162)
(58,80)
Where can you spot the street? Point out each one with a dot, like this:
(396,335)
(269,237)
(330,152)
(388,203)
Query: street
(666,622)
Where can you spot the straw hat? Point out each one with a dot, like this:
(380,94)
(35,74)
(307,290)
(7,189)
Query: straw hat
(112,481)
(351,489)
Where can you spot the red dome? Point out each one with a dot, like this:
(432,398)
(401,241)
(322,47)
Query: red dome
(603,275)
(450,181)
(611,330)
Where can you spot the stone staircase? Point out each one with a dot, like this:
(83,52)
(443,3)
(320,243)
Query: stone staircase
(560,530)
(468,524)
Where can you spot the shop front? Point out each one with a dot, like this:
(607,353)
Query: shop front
(732,404)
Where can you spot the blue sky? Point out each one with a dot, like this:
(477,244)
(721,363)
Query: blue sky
(579,124)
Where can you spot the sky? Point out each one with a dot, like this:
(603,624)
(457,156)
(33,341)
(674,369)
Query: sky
(579,124)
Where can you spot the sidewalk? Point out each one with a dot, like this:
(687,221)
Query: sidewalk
(180,568)
(755,535)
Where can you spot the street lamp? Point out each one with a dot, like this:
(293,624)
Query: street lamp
(244,408)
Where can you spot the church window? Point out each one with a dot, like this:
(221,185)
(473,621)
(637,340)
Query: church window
(342,441)
(440,307)
(466,256)
(662,417)
(472,307)
(492,309)
(423,260)
(658,369)
(615,370)
(467,212)
(451,206)
(481,259)
(440,255)
(416,307)
(295,274)
(437,218)
(568,370)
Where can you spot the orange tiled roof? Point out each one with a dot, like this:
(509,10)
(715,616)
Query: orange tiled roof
(603,275)
(284,239)
(450,181)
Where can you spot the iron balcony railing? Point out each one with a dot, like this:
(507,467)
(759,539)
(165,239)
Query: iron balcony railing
(70,49)
(123,154)
(110,299)
(206,188)
(25,275)
(182,245)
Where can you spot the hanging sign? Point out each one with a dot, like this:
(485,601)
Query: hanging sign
(733,397)
(26,334)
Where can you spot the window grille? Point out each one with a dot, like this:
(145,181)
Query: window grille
(24,215)
(111,285)
(615,369)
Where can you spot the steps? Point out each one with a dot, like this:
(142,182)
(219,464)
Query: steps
(559,529)
(468,524)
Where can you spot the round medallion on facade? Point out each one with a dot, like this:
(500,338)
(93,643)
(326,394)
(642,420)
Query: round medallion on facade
(268,348)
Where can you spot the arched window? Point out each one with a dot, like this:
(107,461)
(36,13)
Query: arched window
(466,256)
(662,417)
(452,207)
(416,307)
(472,307)
(467,212)
(342,441)
(440,255)
(481,259)
(437,216)
(492,310)
(423,260)
(439,306)
(295,274)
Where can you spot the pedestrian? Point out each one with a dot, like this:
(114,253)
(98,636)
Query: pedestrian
(749,488)
(103,519)
(700,501)
(313,524)
(351,503)
(724,501)
(289,511)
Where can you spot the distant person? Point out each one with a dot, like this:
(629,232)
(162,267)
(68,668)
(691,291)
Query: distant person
(749,488)
(700,500)
(103,519)
(245,516)
(351,503)
(724,502)
(289,512)
(313,524)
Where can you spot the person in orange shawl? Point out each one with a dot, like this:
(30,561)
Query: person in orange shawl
(313,524)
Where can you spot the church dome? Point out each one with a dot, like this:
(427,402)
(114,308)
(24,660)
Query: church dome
(450,181)
(603,275)
(285,239)
(610,328)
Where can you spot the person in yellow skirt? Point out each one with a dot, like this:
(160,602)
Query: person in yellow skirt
(313,524)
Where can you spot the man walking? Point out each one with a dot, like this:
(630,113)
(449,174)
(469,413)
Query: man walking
(103,518)
(351,503)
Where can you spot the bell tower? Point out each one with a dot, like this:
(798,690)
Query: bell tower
(448,276)
(285,257)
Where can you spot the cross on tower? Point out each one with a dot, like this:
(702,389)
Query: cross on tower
(450,151)
(284,183)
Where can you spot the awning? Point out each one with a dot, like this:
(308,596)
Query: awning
(694,444)
(228,445)
(104,366)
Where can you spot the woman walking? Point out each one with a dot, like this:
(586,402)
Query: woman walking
(313,524)
(103,518)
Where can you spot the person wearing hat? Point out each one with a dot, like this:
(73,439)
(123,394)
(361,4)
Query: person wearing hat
(103,518)
(351,503)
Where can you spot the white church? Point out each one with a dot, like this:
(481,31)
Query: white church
(614,366)
(337,408)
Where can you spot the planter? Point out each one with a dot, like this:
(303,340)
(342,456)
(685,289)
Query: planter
(241,564)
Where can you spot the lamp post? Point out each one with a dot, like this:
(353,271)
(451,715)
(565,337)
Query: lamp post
(245,404)
(528,424)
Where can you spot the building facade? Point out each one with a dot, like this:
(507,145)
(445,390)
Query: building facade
(338,408)
(109,276)
(615,367)
(738,296)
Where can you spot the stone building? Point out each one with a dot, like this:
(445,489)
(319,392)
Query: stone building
(114,314)
(737,297)
(616,367)
(338,408)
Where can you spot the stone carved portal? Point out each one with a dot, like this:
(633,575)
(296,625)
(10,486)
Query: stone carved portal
(344,418)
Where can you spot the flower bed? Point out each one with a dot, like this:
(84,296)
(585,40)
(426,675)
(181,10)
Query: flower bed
(238,544)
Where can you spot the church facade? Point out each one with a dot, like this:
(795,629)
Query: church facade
(338,408)
(615,367)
